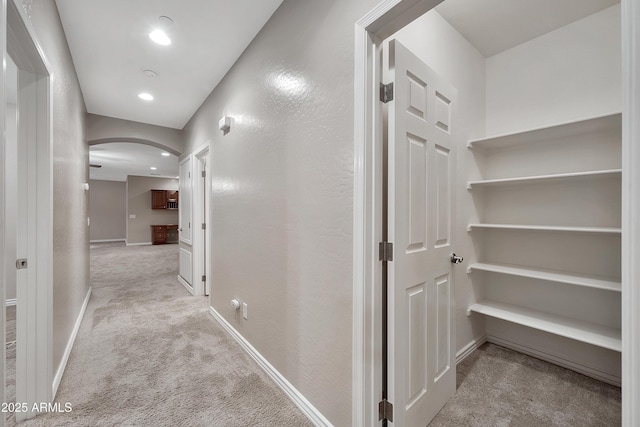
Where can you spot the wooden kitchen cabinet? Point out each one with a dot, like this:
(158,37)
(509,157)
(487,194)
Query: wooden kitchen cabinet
(159,233)
(164,199)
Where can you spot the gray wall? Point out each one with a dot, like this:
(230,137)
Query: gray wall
(70,172)
(108,210)
(282,200)
(139,204)
(101,129)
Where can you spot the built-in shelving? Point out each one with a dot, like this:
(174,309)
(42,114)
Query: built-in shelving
(609,122)
(556,276)
(547,179)
(550,228)
(591,333)
(583,152)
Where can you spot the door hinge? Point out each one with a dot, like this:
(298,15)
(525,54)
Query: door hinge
(204,278)
(204,226)
(385,410)
(386,92)
(386,251)
(204,174)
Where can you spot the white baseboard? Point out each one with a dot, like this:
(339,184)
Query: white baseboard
(557,360)
(470,348)
(67,351)
(139,244)
(186,285)
(107,240)
(10,302)
(301,402)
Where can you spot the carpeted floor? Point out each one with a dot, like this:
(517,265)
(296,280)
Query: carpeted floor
(10,364)
(497,387)
(149,354)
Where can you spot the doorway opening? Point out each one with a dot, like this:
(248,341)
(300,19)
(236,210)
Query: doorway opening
(487,109)
(201,238)
(30,250)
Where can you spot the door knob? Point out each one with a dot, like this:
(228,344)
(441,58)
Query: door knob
(455,259)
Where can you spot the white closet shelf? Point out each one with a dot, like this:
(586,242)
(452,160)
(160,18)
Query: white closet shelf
(607,123)
(590,333)
(556,276)
(571,229)
(547,179)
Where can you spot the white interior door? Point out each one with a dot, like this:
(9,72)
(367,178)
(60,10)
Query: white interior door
(420,213)
(184,207)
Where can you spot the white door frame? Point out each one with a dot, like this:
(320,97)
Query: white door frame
(34,372)
(630,212)
(201,241)
(3,328)
(382,21)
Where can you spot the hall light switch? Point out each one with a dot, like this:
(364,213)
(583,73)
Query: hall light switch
(132,216)
(244,310)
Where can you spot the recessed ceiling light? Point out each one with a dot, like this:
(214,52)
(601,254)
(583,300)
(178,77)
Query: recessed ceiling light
(153,168)
(160,37)
(166,154)
(145,96)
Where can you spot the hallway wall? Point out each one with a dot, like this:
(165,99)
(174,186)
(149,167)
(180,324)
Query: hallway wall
(282,197)
(101,129)
(107,210)
(138,201)
(70,172)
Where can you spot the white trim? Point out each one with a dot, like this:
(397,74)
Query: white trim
(186,285)
(382,21)
(139,244)
(557,360)
(34,376)
(67,350)
(200,243)
(10,302)
(108,240)
(301,402)
(189,159)
(630,212)
(469,348)
(3,220)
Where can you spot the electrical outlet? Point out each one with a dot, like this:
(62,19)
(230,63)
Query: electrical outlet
(244,309)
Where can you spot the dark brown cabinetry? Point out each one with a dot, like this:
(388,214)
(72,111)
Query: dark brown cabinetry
(164,199)
(159,233)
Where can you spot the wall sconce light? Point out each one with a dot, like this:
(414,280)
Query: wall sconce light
(225,124)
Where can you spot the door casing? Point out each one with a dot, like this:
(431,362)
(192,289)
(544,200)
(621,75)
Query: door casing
(34,371)
(382,21)
(201,241)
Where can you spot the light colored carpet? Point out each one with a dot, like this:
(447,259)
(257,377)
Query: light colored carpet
(149,354)
(10,365)
(498,387)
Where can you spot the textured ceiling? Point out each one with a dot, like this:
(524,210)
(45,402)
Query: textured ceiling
(493,26)
(110,46)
